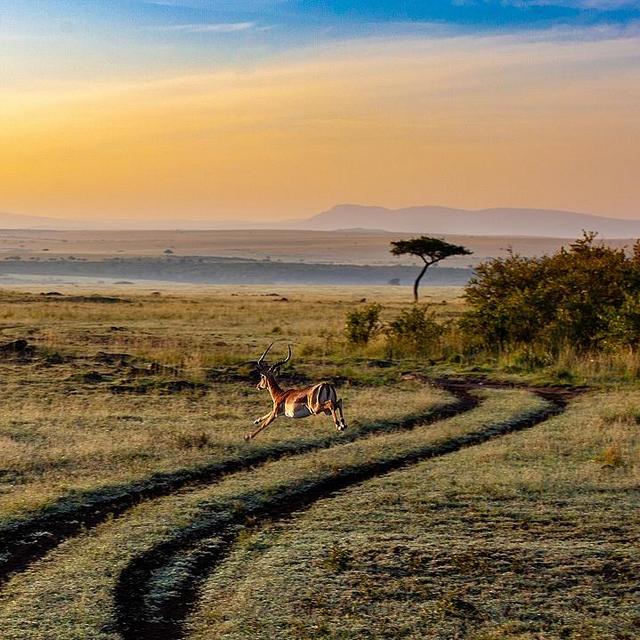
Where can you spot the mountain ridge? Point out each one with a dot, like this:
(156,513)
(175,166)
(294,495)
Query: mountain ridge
(498,221)
(429,220)
(23,221)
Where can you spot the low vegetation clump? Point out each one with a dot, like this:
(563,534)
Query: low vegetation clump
(586,296)
(415,331)
(363,324)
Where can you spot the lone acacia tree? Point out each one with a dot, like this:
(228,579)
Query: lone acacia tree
(431,250)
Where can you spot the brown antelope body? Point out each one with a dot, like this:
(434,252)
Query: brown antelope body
(296,403)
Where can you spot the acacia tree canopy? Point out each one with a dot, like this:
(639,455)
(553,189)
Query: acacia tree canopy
(430,250)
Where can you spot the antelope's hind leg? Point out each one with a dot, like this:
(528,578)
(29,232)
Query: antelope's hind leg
(329,408)
(343,422)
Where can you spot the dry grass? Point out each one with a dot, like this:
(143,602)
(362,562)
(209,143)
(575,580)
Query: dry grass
(211,326)
(69,594)
(51,445)
(62,428)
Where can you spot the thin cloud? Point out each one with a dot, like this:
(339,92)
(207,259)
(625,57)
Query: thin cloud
(215,27)
(598,5)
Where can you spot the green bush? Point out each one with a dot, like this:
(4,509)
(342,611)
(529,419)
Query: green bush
(584,297)
(623,324)
(414,332)
(363,324)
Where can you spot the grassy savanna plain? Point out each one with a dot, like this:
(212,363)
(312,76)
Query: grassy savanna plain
(341,247)
(131,507)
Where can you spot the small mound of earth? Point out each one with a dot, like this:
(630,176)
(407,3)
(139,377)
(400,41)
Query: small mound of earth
(232,374)
(380,364)
(98,299)
(91,377)
(166,387)
(154,368)
(19,348)
(120,359)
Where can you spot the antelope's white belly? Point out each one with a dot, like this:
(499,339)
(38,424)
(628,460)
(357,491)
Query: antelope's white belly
(297,411)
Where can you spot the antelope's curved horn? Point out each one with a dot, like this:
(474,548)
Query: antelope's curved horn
(262,357)
(278,364)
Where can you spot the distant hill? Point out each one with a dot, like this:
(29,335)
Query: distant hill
(26,222)
(483,222)
(16,221)
(364,220)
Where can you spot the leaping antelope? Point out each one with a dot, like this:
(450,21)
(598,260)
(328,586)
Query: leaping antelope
(295,403)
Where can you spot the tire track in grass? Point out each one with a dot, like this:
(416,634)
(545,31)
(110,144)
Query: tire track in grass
(25,541)
(177,566)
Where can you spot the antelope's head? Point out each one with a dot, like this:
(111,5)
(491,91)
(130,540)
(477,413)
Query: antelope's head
(268,373)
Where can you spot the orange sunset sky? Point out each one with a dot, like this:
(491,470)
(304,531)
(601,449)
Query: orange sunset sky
(267,110)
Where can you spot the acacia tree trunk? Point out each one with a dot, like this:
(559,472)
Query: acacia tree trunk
(417,282)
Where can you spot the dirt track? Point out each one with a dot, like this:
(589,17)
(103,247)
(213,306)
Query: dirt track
(134,619)
(25,541)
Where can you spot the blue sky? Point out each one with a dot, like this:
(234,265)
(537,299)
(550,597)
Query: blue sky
(324,16)
(76,39)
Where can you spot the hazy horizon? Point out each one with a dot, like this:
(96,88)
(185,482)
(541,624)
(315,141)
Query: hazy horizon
(266,111)
(441,221)
(222,222)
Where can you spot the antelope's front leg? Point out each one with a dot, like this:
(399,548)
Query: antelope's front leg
(270,418)
(264,417)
